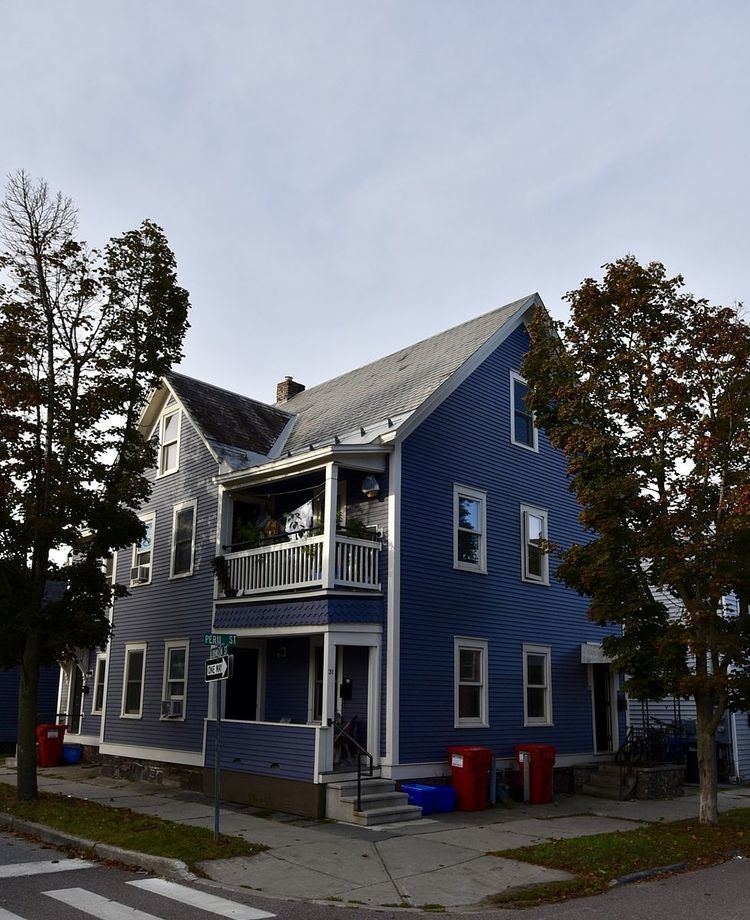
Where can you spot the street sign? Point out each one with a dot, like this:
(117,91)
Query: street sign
(219,639)
(217,668)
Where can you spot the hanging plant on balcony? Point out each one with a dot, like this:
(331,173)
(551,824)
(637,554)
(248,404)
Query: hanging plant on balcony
(221,570)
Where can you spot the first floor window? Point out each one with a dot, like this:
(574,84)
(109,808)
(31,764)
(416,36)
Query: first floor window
(536,681)
(183,538)
(534,559)
(470,658)
(99,678)
(175,678)
(132,691)
(469,529)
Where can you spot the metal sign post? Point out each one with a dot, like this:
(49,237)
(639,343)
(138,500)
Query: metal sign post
(218,669)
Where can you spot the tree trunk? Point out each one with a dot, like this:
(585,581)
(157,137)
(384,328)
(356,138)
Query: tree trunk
(708,810)
(27,705)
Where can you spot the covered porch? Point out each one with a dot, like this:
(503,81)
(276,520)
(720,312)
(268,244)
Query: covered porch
(319,528)
(300,707)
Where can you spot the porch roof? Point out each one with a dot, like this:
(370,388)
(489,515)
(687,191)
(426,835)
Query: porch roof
(317,611)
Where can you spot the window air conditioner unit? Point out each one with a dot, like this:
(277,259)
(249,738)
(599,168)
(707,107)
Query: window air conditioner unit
(140,573)
(171,709)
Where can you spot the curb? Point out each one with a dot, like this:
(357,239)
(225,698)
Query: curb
(161,865)
(647,873)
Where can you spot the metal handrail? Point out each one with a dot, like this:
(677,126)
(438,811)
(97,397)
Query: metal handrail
(338,731)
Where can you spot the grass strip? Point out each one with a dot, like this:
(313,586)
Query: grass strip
(599,860)
(122,827)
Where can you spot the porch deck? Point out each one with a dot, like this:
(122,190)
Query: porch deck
(300,564)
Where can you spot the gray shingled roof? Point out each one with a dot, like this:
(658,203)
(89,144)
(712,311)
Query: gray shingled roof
(226,418)
(389,386)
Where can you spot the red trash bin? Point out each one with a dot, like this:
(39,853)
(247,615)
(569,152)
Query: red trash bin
(541,764)
(470,769)
(49,744)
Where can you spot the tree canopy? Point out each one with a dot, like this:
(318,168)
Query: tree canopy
(85,335)
(646,389)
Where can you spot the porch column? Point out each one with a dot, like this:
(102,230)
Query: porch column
(329,679)
(329,525)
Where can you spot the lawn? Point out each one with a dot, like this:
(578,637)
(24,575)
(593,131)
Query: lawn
(598,860)
(122,827)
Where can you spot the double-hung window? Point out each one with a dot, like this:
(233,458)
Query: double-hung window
(133,675)
(522,429)
(169,442)
(175,679)
(469,529)
(183,538)
(470,670)
(143,553)
(534,558)
(97,705)
(537,700)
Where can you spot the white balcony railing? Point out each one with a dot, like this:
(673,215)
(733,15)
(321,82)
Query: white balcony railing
(299,564)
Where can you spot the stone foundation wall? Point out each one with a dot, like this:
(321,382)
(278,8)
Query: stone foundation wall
(174,775)
(663,782)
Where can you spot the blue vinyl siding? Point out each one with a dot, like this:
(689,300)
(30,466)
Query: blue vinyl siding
(45,705)
(178,608)
(287,678)
(466,440)
(269,750)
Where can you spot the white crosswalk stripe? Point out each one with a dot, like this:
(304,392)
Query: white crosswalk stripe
(201,899)
(97,906)
(17,870)
(7,915)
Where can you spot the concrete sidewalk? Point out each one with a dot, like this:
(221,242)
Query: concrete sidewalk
(440,860)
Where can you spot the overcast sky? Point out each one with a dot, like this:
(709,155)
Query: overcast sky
(339,179)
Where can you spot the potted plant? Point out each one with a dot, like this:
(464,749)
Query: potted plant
(221,571)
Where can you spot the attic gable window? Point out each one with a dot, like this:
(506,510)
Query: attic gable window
(522,428)
(169,442)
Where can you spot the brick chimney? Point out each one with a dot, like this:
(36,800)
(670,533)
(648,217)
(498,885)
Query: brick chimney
(288,388)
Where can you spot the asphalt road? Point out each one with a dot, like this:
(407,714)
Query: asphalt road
(41,883)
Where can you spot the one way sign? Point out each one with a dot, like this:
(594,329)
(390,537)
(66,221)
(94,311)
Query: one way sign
(218,668)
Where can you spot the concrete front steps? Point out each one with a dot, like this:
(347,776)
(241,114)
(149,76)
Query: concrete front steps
(381,804)
(606,781)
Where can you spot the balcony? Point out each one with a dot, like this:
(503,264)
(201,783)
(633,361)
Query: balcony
(301,564)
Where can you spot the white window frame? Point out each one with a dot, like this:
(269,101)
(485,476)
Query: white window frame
(545,650)
(130,648)
(167,413)
(478,495)
(145,518)
(190,503)
(165,695)
(542,579)
(468,642)
(101,662)
(534,446)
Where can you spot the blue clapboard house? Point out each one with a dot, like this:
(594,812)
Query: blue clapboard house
(373,542)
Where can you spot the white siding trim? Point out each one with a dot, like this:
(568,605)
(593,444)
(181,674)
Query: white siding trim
(189,758)
(393,613)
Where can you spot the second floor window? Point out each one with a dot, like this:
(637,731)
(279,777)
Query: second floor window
(169,442)
(143,554)
(183,538)
(522,429)
(534,560)
(469,529)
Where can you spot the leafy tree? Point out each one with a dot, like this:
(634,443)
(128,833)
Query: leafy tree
(84,337)
(646,389)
